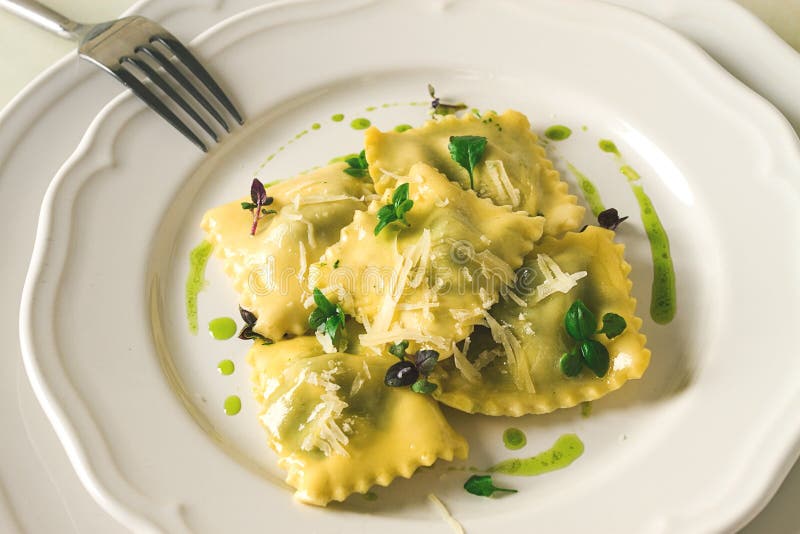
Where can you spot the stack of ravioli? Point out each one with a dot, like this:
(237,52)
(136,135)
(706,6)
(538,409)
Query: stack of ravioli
(483,273)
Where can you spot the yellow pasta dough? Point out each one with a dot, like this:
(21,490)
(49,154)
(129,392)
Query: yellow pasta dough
(537,329)
(337,429)
(514,171)
(270,270)
(428,283)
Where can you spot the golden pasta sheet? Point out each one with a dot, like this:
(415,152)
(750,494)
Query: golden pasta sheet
(514,170)
(431,281)
(337,429)
(512,366)
(270,269)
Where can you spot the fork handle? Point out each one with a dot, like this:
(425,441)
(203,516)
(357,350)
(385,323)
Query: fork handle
(44,17)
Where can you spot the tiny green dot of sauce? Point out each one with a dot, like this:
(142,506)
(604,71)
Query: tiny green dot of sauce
(514,438)
(226,367)
(608,146)
(370,108)
(370,496)
(586,409)
(195,281)
(564,451)
(232,405)
(360,123)
(316,126)
(222,328)
(557,132)
(400,128)
(338,117)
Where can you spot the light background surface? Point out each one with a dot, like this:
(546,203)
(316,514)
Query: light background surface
(25,51)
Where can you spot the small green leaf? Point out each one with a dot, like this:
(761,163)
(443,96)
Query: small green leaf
(323,303)
(483,486)
(358,166)
(467,151)
(383,223)
(580,322)
(336,264)
(398,349)
(613,325)
(423,387)
(396,211)
(571,363)
(249,206)
(356,173)
(400,194)
(595,356)
(386,212)
(425,360)
(316,318)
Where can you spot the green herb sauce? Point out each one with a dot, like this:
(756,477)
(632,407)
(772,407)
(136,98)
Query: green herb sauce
(514,438)
(232,405)
(566,450)
(339,117)
(608,146)
(400,128)
(360,123)
(557,132)
(226,367)
(316,126)
(590,192)
(370,108)
(586,409)
(629,173)
(222,327)
(370,496)
(663,302)
(196,280)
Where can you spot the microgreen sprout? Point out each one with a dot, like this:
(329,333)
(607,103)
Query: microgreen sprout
(328,318)
(483,486)
(441,108)
(247,332)
(259,198)
(467,151)
(396,211)
(610,219)
(358,166)
(413,372)
(581,324)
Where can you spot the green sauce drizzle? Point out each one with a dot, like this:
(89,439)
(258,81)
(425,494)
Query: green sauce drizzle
(370,108)
(629,173)
(232,405)
(514,438)
(360,123)
(586,409)
(196,280)
(222,327)
(316,126)
(663,302)
(590,192)
(339,117)
(400,128)
(226,367)
(608,146)
(557,132)
(566,450)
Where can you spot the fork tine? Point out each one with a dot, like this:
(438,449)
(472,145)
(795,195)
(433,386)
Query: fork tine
(156,105)
(198,70)
(163,61)
(151,73)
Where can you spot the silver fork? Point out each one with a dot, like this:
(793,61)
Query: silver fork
(134,50)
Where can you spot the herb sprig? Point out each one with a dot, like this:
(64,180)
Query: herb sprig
(610,219)
(483,486)
(467,151)
(258,195)
(396,211)
(441,108)
(413,372)
(328,318)
(247,332)
(581,325)
(358,166)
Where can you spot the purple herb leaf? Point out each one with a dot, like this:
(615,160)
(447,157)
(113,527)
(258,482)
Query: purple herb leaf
(257,193)
(610,219)
(247,316)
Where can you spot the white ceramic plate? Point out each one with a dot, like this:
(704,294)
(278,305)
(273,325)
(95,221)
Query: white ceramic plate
(120,283)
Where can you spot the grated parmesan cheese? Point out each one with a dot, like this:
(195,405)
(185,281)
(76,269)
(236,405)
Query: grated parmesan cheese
(446,515)
(463,364)
(513,350)
(556,280)
(497,171)
(325,433)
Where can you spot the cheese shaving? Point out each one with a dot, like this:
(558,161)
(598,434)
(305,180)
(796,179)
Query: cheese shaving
(303,262)
(497,171)
(556,280)
(513,350)
(325,433)
(463,364)
(446,515)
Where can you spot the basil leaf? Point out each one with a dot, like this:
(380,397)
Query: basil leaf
(356,173)
(595,356)
(570,363)
(423,387)
(400,194)
(323,303)
(467,151)
(425,360)
(613,325)
(483,486)
(386,212)
(398,349)
(316,318)
(580,322)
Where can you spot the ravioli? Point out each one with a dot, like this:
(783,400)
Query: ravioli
(335,426)
(514,171)
(535,338)
(428,283)
(270,270)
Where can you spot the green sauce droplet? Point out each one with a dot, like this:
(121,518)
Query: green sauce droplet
(226,367)
(196,280)
(584,127)
(514,438)
(371,108)
(233,405)
(222,327)
(339,117)
(370,496)
(629,173)
(316,126)
(557,132)
(586,409)
(566,450)
(608,146)
(360,123)
(590,192)
(400,128)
